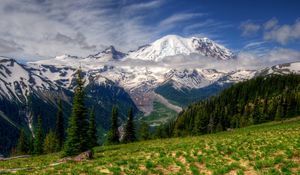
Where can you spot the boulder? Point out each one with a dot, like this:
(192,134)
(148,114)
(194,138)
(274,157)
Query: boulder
(84,156)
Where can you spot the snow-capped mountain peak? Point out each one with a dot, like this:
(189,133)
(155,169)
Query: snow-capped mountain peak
(172,45)
(108,54)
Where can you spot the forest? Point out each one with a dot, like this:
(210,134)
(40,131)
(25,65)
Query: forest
(258,100)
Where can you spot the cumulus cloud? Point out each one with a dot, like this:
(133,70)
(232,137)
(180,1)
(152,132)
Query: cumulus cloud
(249,28)
(284,33)
(274,56)
(270,24)
(244,60)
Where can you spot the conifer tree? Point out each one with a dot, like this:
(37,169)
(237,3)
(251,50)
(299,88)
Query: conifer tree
(59,130)
(92,132)
(160,132)
(77,136)
(51,143)
(113,134)
(129,134)
(23,144)
(279,113)
(39,137)
(144,131)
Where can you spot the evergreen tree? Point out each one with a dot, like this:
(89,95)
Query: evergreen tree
(144,131)
(219,127)
(77,132)
(113,134)
(51,143)
(39,137)
(31,145)
(251,102)
(160,132)
(279,113)
(129,134)
(59,130)
(23,144)
(210,126)
(92,132)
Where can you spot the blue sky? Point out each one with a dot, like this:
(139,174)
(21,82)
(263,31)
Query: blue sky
(39,29)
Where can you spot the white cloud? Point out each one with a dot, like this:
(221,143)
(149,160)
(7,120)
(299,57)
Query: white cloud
(272,57)
(244,60)
(174,19)
(41,29)
(284,33)
(249,28)
(254,44)
(270,24)
(143,6)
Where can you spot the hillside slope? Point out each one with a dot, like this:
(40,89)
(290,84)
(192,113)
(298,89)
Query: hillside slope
(258,100)
(270,148)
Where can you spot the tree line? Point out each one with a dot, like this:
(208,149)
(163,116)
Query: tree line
(255,101)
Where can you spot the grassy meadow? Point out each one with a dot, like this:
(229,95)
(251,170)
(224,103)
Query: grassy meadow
(270,148)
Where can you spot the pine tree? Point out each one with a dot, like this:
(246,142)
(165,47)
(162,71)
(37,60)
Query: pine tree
(113,134)
(219,127)
(92,132)
(23,144)
(51,143)
(77,136)
(144,131)
(59,130)
(210,126)
(129,134)
(279,113)
(160,132)
(39,137)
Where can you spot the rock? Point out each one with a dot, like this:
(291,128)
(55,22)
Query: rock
(66,159)
(84,156)
(230,129)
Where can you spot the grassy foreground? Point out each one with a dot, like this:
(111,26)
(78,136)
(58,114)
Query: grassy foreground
(271,148)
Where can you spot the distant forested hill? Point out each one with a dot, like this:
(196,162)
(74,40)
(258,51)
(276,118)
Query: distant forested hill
(255,101)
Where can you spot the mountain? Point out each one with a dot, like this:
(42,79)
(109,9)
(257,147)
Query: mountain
(108,54)
(143,81)
(28,91)
(135,79)
(172,45)
(17,81)
(282,69)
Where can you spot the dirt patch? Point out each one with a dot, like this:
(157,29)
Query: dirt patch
(202,168)
(174,168)
(232,172)
(182,160)
(143,168)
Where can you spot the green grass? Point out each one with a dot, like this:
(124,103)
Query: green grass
(160,114)
(271,148)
